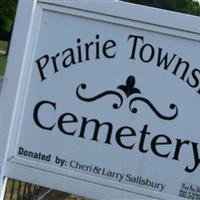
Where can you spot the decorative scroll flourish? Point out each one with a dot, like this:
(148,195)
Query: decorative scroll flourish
(83,87)
(128,89)
(172,107)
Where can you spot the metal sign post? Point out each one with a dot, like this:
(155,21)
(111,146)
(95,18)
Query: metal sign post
(3,188)
(17,52)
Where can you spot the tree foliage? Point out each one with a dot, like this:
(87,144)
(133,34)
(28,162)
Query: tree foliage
(7,10)
(185,6)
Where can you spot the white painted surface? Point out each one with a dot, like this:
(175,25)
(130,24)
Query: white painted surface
(55,30)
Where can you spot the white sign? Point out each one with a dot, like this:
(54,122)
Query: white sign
(107,101)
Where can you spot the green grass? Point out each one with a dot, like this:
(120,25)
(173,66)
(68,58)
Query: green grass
(3,45)
(3,59)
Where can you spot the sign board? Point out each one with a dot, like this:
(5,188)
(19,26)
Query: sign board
(105,101)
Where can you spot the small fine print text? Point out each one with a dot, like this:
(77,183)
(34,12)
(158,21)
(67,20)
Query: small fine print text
(190,191)
(92,169)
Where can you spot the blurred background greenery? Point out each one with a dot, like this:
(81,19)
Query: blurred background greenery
(7,15)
